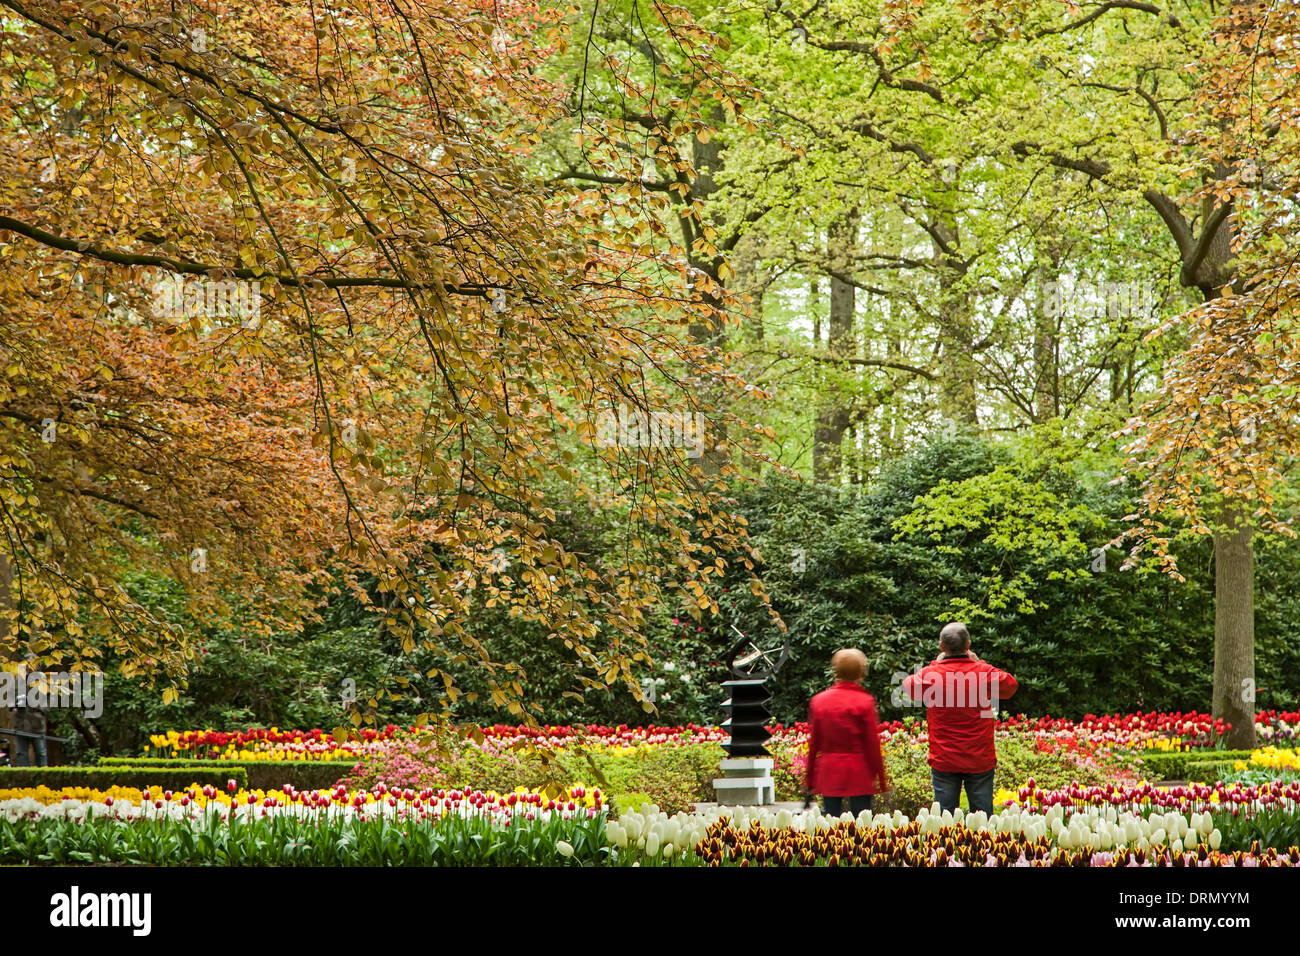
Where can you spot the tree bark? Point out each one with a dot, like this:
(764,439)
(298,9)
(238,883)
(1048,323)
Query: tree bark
(708,161)
(1234,630)
(833,417)
(6,652)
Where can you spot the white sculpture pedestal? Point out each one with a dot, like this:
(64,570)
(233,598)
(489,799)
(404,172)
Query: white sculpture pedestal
(746,781)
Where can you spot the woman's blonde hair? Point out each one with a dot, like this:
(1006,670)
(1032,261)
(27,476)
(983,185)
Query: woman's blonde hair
(849,664)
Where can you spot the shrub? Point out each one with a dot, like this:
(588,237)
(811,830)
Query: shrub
(262,774)
(101,778)
(1177,766)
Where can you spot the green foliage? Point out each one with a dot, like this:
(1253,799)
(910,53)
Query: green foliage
(1179,766)
(1019,564)
(1208,771)
(101,778)
(261,774)
(1005,537)
(1278,827)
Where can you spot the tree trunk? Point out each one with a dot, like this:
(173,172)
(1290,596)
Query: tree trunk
(7,653)
(708,161)
(833,417)
(1234,630)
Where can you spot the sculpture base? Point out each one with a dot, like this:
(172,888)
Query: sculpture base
(746,782)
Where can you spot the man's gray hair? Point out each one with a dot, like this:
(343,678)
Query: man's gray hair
(954,638)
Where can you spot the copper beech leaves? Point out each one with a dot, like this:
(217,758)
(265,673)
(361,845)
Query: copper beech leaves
(1221,435)
(289,306)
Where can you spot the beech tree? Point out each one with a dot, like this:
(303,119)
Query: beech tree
(285,291)
(1012,139)
(1218,443)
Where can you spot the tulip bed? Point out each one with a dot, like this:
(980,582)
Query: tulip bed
(206,826)
(1154,731)
(317,744)
(1070,793)
(673,767)
(1090,837)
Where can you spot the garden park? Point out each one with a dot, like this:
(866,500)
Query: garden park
(408,411)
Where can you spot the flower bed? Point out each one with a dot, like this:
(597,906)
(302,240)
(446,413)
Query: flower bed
(673,766)
(286,828)
(1264,814)
(765,837)
(400,828)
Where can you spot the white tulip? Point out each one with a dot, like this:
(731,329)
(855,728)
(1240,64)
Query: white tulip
(1216,838)
(614,835)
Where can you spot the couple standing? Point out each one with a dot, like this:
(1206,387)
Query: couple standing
(960,693)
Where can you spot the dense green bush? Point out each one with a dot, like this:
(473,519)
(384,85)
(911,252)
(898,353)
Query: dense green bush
(101,778)
(1208,771)
(1177,766)
(957,528)
(1009,546)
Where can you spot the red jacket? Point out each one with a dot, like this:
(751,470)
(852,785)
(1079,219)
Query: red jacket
(960,711)
(844,758)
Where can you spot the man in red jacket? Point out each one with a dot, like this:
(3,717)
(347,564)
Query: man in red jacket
(844,758)
(961,693)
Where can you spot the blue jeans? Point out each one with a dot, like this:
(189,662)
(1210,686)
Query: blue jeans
(947,789)
(834,806)
(21,757)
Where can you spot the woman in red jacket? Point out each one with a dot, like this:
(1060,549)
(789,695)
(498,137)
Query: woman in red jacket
(844,758)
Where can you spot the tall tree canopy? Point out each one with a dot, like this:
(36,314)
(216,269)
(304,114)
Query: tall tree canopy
(284,292)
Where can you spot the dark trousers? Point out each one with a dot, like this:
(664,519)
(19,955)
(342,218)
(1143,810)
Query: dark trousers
(947,790)
(834,806)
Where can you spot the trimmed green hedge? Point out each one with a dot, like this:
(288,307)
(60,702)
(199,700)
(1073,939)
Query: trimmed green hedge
(1178,766)
(1208,771)
(169,778)
(262,774)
